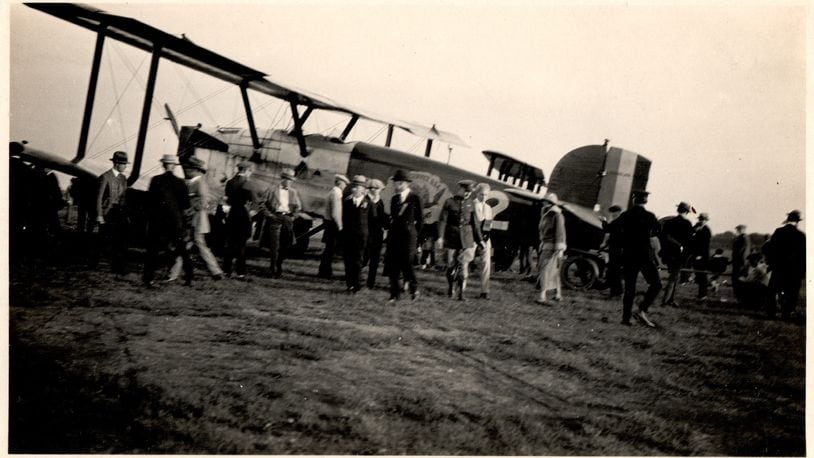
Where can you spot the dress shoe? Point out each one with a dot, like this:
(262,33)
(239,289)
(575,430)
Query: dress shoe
(484,295)
(217,277)
(416,295)
(169,280)
(392,300)
(642,316)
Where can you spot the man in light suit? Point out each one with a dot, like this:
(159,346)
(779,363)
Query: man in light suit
(167,202)
(333,225)
(355,220)
(483,213)
(406,219)
(199,197)
(281,204)
(111,211)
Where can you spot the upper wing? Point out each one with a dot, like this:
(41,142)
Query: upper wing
(185,52)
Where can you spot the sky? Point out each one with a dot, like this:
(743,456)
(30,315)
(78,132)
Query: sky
(714,94)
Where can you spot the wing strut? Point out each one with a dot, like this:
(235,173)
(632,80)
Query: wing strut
(389,136)
(145,115)
(94,78)
(298,128)
(349,127)
(429,148)
(249,116)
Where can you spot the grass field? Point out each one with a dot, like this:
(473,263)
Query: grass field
(296,366)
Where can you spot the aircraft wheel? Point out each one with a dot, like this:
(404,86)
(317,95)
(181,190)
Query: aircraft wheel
(579,272)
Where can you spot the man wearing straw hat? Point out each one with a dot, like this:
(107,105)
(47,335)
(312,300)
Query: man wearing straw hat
(167,200)
(282,203)
(355,226)
(787,260)
(111,210)
(199,196)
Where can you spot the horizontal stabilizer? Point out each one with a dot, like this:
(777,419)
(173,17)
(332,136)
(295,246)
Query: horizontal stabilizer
(48,160)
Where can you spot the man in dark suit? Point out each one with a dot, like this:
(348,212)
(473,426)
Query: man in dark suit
(282,203)
(167,205)
(700,254)
(637,227)
(355,226)
(238,223)
(377,223)
(676,233)
(787,260)
(406,218)
(458,234)
(111,211)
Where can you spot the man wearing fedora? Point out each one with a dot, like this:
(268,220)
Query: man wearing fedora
(167,202)
(458,233)
(377,223)
(355,226)
(111,211)
(676,233)
(787,260)
(701,238)
(281,205)
(638,226)
(333,224)
(406,219)
(238,223)
(200,200)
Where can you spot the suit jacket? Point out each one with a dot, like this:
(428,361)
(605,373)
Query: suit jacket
(676,233)
(637,226)
(272,200)
(700,241)
(787,253)
(458,224)
(406,219)
(200,200)
(168,200)
(111,192)
(355,220)
(238,195)
(377,221)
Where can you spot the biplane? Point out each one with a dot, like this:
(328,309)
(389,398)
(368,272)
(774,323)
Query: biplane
(588,179)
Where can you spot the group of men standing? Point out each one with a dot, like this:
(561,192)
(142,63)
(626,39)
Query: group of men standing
(632,237)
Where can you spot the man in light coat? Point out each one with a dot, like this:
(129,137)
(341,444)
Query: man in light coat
(200,199)
(333,224)
(281,205)
(552,247)
(483,213)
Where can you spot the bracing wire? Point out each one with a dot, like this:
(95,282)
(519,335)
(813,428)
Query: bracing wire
(375,135)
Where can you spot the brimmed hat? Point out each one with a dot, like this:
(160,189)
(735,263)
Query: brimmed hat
(401,176)
(359,180)
(341,178)
(703,217)
(243,165)
(466,184)
(683,207)
(740,226)
(551,197)
(615,208)
(169,159)
(196,163)
(375,184)
(793,217)
(287,174)
(120,157)
(640,196)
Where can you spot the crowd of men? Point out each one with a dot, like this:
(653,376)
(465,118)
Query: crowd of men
(637,242)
